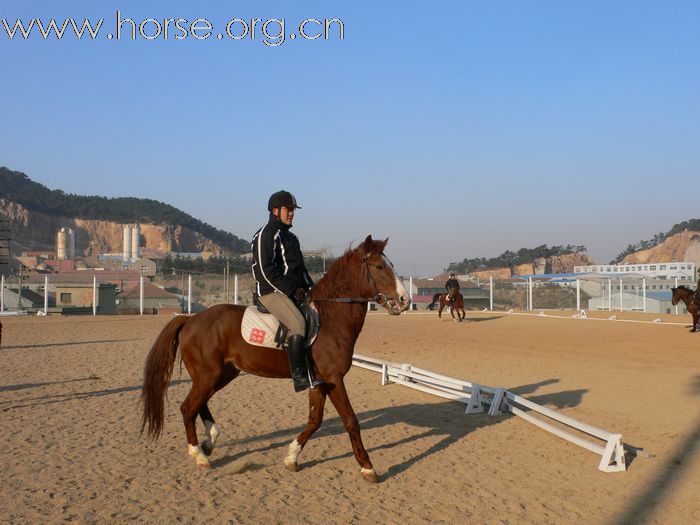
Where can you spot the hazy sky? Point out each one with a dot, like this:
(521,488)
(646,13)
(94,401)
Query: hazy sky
(457,129)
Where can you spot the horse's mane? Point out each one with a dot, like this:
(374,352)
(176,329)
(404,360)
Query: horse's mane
(684,287)
(340,273)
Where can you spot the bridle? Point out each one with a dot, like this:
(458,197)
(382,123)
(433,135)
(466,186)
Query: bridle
(379,298)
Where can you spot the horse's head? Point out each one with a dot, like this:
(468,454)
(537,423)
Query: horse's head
(379,280)
(676,296)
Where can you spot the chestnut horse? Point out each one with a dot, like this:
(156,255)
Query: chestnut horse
(454,302)
(214,353)
(686,295)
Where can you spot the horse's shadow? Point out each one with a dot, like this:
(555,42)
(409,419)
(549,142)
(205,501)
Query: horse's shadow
(445,420)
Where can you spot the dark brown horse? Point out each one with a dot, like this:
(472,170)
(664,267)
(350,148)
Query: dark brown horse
(685,294)
(453,300)
(214,353)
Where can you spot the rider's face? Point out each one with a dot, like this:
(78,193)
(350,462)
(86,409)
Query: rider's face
(284,214)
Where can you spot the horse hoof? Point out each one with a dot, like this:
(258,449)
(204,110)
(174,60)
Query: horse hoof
(204,466)
(291,466)
(370,475)
(207,448)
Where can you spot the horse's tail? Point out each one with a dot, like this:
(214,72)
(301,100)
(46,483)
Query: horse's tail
(436,298)
(156,376)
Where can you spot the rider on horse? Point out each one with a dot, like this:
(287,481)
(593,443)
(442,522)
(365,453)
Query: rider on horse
(282,281)
(452,287)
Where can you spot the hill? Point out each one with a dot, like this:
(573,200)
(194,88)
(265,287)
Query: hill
(36,212)
(644,251)
(538,260)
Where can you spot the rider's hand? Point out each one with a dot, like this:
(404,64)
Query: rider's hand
(300,295)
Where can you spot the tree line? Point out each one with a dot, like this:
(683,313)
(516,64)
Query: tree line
(509,258)
(19,188)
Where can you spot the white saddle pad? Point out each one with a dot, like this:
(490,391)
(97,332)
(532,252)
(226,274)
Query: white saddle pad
(259,329)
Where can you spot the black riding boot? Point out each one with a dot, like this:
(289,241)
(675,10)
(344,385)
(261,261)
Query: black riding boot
(296,353)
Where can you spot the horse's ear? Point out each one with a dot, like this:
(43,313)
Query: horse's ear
(368,244)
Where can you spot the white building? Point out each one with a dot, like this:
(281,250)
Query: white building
(684,270)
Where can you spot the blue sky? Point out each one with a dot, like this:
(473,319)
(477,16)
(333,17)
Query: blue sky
(457,129)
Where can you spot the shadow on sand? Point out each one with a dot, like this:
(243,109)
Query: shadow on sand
(73,343)
(446,420)
(677,465)
(59,398)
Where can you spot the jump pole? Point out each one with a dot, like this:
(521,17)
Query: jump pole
(189,294)
(46,295)
(676,285)
(578,295)
(2,293)
(644,293)
(491,293)
(620,293)
(94,295)
(235,289)
(141,295)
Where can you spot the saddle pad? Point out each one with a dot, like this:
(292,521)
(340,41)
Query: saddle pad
(260,329)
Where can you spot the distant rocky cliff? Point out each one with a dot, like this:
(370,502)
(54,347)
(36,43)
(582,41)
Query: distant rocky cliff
(36,230)
(684,246)
(541,265)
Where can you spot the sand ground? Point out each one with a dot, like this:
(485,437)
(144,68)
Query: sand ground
(69,399)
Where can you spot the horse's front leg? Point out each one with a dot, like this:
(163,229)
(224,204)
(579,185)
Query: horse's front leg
(696,315)
(317,400)
(341,402)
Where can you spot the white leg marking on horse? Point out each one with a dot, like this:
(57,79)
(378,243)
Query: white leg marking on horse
(368,471)
(212,432)
(294,451)
(196,452)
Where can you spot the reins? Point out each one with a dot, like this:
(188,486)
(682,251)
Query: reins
(379,298)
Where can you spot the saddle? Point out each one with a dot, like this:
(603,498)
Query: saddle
(261,328)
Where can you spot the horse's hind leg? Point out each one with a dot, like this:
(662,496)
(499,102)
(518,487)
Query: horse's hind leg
(190,407)
(211,430)
(442,306)
(317,400)
(341,402)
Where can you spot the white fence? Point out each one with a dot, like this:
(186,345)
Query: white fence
(496,401)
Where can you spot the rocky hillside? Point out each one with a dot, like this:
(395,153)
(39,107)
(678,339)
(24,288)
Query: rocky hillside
(555,264)
(683,246)
(36,230)
(36,213)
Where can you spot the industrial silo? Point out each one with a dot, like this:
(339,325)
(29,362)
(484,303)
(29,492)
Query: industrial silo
(135,241)
(70,238)
(61,244)
(127,242)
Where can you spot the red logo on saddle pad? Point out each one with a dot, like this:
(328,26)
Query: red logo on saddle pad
(257,336)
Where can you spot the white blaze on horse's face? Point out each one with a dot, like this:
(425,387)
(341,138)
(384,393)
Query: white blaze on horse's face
(404,302)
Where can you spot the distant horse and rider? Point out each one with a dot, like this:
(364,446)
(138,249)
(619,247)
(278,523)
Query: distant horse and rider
(453,300)
(691,298)
(215,351)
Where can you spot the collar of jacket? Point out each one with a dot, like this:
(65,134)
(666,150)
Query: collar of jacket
(274,221)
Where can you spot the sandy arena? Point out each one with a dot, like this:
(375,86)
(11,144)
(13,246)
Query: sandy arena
(70,392)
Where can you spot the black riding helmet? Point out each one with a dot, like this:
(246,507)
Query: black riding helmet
(282,198)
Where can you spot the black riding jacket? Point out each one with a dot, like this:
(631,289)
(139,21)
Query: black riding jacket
(452,283)
(278,262)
